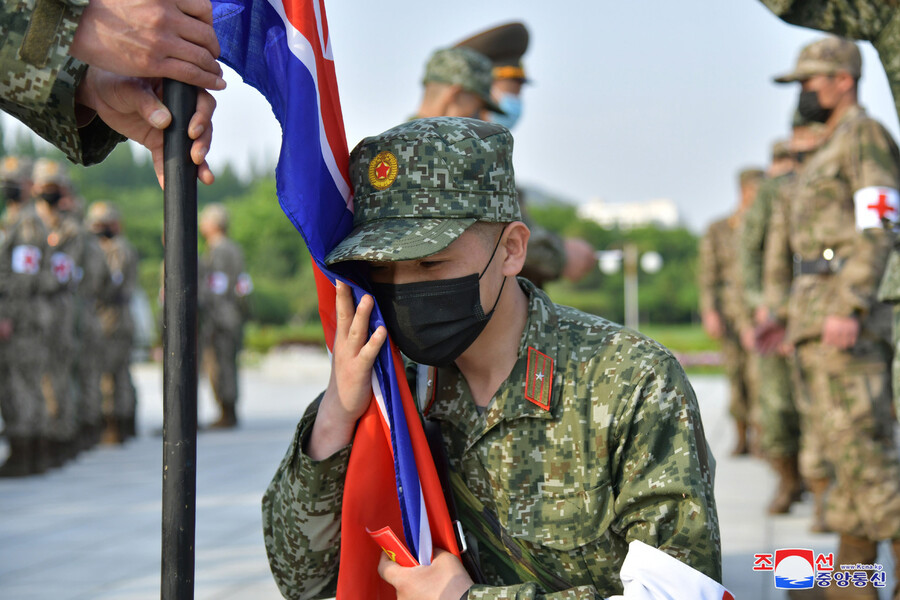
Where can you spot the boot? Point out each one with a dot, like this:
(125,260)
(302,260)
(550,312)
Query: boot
(819,488)
(741,447)
(112,434)
(57,455)
(129,427)
(18,463)
(853,550)
(40,455)
(788,482)
(228,420)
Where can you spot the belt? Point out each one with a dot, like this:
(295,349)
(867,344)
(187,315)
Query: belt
(826,264)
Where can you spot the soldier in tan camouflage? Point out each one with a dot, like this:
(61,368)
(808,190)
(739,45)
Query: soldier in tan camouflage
(24,278)
(726,314)
(117,325)
(540,406)
(835,228)
(224,287)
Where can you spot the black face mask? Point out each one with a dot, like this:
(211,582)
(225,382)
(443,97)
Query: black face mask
(51,198)
(11,192)
(433,322)
(810,109)
(105,232)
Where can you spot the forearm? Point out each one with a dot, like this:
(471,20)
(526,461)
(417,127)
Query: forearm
(302,518)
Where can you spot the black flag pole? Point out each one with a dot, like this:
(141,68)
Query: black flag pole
(180,348)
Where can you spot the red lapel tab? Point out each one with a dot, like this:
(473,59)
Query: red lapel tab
(539,378)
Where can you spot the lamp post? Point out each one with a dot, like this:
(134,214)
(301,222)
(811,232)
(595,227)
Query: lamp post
(629,259)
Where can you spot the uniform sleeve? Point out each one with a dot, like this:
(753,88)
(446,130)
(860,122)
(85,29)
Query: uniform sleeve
(301,513)
(873,160)
(663,472)
(706,273)
(752,241)
(38,78)
(777,260)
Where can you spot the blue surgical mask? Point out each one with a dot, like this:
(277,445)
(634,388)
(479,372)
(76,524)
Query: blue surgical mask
(512,106)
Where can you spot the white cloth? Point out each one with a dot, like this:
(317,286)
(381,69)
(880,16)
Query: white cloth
(875,205)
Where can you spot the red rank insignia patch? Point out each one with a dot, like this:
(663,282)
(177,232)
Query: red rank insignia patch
(539,378)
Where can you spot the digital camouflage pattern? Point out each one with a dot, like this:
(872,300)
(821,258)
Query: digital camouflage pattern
(430,179)
(222,298)
(465,67)
(721,290)
(877,21)
(23,301)
(819,221)
(826,56)
(619,455)
(778,420)
(38,78)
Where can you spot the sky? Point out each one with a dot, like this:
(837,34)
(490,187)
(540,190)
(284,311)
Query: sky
(630,101)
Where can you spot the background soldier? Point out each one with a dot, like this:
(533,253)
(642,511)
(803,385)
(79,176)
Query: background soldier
(117,325)
(223,291)
(724,311)
(779,425)
(550,256)
(835,230)
(24,277)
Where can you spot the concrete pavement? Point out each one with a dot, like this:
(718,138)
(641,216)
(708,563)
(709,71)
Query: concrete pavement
(91,530)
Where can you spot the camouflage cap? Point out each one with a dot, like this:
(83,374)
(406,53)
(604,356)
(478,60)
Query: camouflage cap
(420,185)
(464,67)
(504,45)
(781,149)
(14,168)
(49,172)
(826,56)
(751,175)
(102,213)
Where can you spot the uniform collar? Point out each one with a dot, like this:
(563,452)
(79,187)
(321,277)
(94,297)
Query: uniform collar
(535,375)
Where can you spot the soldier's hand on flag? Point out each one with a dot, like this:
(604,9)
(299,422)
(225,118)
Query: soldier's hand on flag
(132,106)
(151,38)
(349,390)
(444,579)
(840,332)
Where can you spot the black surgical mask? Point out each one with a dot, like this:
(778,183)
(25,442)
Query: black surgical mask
(433,322)
(51,198)
(105,232)
(810,108)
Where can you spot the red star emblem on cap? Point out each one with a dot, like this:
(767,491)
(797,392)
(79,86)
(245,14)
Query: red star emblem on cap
(382,170)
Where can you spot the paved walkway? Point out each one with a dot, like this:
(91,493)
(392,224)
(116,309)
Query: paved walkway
(91,531)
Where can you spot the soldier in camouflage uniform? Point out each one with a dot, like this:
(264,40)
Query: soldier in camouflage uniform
(725,312)
(223,290)
(66,245)
(779,423)
(565,461)
(117,325)
(24,279)
(550,256)
(835,228)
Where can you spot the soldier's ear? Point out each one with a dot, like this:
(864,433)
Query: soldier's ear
(515,242)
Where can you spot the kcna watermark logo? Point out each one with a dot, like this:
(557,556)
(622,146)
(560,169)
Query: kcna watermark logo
(801,568)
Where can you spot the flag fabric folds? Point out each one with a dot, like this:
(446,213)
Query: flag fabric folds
(283,49)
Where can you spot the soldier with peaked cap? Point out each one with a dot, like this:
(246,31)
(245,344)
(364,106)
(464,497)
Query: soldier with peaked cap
(725,312)
(837,226)
(550,256)
(116,322)
(222,298)
(540,406)
(25,276)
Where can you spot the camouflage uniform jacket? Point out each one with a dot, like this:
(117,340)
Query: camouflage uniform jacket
(877,21)
(820,222)
(619,454)
(113,307)
(753,237)
(223,286)
(719,274)
(25,274)
(38,78)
